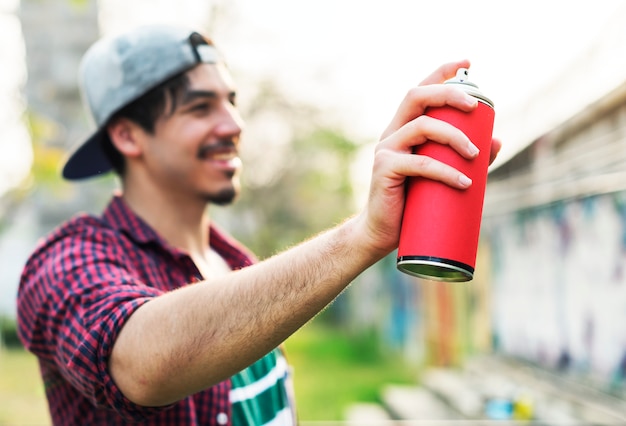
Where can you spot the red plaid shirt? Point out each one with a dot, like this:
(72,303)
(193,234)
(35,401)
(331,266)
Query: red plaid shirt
(79,287)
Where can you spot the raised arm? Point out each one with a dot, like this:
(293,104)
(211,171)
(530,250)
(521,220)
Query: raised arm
(194,337)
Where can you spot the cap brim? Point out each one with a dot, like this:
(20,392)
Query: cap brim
(89,159)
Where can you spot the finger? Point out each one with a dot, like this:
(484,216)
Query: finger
(418,99)
(445,72)
(496,145)
(415,102)
(416,165)
(425,128)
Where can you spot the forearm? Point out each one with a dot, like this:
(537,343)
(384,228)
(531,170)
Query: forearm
(192,338)
(189,339)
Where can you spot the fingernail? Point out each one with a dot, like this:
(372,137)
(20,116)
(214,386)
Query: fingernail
(471,100)
(473,149)
(465,181)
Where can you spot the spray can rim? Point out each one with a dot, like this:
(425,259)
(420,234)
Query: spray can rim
(461,80)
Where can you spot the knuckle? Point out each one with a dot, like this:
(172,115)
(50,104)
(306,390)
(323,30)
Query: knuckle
(414,93)
(422,124)
(419,95)
(422,120)
(424,162)
(382,154)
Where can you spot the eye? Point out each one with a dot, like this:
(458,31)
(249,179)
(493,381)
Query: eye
(203,106)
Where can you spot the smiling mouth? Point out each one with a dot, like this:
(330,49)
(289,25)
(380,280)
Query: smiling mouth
(218,153)
(220,156)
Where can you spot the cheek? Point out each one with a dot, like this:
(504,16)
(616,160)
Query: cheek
(177,145)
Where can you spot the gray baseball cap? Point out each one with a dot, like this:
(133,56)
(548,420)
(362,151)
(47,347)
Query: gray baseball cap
(117,70)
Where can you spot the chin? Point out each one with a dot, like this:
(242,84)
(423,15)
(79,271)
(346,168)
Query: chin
(222,198)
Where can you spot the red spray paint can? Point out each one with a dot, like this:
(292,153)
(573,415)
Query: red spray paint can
(441,224)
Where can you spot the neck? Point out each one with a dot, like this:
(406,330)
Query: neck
(183,222)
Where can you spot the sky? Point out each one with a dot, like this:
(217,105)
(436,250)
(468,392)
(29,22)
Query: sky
(355,58)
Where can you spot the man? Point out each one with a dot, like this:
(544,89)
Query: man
(107,303)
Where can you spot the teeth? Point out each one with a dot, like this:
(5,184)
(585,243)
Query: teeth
(223,156)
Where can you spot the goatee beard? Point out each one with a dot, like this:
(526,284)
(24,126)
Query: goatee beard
(222,198)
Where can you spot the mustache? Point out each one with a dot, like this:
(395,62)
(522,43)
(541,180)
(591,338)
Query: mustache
(224,145)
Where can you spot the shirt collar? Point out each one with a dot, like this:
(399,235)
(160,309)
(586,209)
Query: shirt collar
(121,217)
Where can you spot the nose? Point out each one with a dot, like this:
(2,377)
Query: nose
(230,124)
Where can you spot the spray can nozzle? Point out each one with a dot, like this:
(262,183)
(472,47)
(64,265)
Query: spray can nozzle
(461,74)
(461,79)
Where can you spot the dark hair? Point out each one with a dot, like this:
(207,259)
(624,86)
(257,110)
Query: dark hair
(145,111)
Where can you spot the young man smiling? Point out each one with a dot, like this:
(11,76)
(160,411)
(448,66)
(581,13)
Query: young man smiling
(106,302)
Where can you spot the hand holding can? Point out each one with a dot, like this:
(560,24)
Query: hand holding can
(441,224)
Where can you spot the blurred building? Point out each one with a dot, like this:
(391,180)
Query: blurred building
(56,33)
(549,291)
(555,231)
(540,333)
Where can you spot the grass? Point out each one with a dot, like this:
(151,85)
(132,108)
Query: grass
(332,370)
(21,391)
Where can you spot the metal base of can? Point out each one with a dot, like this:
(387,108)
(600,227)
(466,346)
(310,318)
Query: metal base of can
(435,268)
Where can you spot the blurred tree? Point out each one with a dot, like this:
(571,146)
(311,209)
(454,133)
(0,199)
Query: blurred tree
(44,169)
(312,192)
(46,156)
(294,187)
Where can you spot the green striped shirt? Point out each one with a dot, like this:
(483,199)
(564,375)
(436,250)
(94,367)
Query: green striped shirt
(259,394)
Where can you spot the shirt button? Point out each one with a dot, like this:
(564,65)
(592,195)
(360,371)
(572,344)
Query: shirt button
(222,419)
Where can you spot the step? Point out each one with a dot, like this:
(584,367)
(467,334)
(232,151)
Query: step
(453,387)
(555,395)
(367,414)
(405,402)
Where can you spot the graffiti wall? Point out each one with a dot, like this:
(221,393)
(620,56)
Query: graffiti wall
(558,278)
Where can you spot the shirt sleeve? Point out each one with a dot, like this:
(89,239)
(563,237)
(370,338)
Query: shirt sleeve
(76,294)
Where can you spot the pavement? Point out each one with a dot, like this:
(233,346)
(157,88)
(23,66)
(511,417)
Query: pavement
(490,390)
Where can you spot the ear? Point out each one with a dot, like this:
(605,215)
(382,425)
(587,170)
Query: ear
(126,137)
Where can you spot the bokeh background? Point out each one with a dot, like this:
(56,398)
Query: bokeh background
(539,334)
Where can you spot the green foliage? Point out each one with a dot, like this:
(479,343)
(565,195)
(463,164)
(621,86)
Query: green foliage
(8,333)
(296,177)
(313,192)
(46,157)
